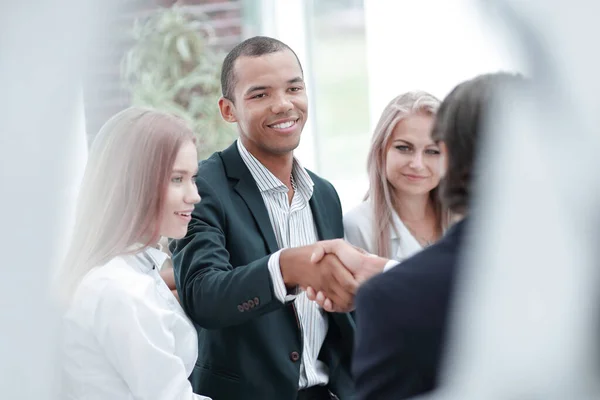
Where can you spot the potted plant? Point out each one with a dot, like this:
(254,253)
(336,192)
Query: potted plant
(173,66)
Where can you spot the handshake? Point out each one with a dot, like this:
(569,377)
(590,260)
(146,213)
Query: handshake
(330,271)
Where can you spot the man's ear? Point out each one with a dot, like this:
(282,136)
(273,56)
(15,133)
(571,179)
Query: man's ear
(227,107)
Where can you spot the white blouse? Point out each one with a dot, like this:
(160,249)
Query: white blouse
(358,230)
(126,337)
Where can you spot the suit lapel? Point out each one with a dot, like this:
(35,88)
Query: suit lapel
(322,221)
(248,191)
(319,215)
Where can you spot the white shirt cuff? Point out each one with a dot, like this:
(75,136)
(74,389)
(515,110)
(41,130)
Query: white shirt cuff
(390,264)
(281,292)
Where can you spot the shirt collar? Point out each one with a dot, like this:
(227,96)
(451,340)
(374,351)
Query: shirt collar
(158,256)
(154,254)
(266,181)
(398,224)
(402,229)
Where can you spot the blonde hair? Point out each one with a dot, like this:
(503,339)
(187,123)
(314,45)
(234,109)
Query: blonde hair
(380,192)
(123,189)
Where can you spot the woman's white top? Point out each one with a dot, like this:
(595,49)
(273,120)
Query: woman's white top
(126,337)
(358,230)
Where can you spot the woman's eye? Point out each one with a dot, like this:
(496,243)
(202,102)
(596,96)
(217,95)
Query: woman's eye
(177,179)
(432,152)
(403,148)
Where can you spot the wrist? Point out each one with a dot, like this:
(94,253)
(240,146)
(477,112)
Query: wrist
(288,268)
(376,263)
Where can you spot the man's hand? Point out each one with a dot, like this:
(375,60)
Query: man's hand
(328,275)
(361,264)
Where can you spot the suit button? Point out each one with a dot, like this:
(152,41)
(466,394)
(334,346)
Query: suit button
(256,302)
(294,356)
(251,303)
(240,308)
(246,306)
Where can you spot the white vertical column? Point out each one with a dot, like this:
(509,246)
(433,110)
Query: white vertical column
(38,103)
(286,21)
(76,168)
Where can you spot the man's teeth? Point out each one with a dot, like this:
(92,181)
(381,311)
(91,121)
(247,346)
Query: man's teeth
(283,125)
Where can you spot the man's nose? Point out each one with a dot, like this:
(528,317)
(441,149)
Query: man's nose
(281,104)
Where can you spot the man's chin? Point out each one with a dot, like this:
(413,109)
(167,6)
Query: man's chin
(286,148)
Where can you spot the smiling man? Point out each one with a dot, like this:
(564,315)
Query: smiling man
(248,247)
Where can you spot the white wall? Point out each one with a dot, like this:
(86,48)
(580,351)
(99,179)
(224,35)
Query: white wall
(430,45)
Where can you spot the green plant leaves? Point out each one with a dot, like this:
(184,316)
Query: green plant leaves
(172,67)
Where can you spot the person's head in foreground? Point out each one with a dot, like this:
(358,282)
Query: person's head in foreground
(457,129)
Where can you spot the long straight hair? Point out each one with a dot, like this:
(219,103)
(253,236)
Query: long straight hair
(123,190)
(380,191)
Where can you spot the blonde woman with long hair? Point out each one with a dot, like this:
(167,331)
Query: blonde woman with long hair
(401,213)
(125,336)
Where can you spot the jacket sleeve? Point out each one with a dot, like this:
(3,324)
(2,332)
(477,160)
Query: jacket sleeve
(214,293)
(383,364)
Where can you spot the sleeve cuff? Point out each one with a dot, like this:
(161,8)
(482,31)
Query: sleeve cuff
(390,264)
(281,292)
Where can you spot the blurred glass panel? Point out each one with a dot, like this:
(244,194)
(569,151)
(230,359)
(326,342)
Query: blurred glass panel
(340,107)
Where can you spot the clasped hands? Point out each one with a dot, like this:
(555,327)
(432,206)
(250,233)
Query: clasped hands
(330,271)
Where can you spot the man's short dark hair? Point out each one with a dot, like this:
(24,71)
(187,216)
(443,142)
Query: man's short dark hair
(254,47)
(458,124)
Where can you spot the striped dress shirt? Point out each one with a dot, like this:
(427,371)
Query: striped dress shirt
(293,226)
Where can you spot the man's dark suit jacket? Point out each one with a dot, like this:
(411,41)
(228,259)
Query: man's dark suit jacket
(401,323)
(249,343)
